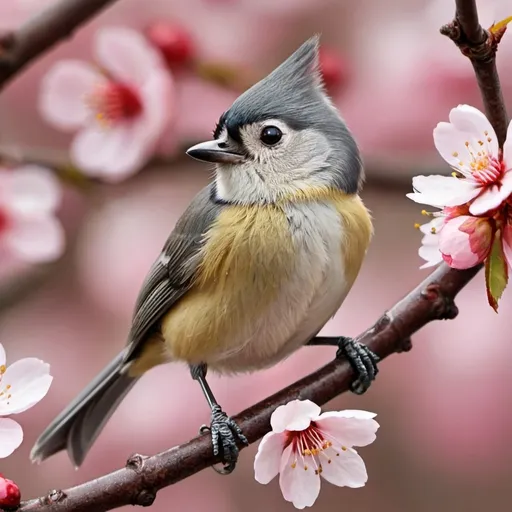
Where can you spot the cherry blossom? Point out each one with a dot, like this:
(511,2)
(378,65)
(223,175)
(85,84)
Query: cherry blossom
(304,445)
(29,229)
(482,177)
(120,110)
(22,385)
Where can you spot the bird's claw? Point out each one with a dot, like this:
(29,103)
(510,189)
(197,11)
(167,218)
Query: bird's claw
(225,435)
(362,360)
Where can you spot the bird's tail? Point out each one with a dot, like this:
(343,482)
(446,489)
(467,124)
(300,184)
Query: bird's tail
(77,427)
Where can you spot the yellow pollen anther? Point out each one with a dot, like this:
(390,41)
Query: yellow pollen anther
(307,451)
(294,465)
(305,468)
(466,144)
(454,174)
(2,369)
(424,212)
(433,231)
(344,448)
(417,225)
(455,154)
(8,386)
(461,163)
(9,396)
(481,142)
(489,139)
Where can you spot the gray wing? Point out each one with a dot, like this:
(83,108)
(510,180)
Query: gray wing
(172,273)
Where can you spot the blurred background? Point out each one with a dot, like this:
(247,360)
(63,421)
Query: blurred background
(444,419)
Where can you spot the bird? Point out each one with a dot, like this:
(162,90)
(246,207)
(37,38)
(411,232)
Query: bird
(257,264)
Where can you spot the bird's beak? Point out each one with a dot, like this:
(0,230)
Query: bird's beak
(211,151)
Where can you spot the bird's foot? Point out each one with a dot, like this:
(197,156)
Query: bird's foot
(362,360)
(225,437)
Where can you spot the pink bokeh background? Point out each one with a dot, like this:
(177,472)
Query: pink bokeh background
(442,407)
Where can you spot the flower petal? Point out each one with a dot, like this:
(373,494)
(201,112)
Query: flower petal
(64,92)
(268,458)
(33,189)
(126,54)
(488,200)
(347,468)
(298,485)
(157,95)
(429,251)
(450,143)
(11,436)
(471,121)
(295,415)
(350,427)
(112,154)
(441,191)
(36,240)
(3,357)
(30,380)
(507,147)
(432,227)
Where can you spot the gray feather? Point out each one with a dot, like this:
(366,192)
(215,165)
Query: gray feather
(294,92)
(78,426)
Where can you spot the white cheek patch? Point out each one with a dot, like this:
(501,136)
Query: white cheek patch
(274,172)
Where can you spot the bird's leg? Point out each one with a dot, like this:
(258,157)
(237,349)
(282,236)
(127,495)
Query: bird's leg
(362,360)
(224,431)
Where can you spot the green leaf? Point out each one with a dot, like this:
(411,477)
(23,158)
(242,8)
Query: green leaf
(496,272)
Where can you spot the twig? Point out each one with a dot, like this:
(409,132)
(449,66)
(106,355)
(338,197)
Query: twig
(57,22)
(480,46)
(139,481)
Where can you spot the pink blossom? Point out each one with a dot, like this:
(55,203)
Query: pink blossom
(304,445)
(121,114)
(29,229)
(482,179)
(22,385)
(466,241)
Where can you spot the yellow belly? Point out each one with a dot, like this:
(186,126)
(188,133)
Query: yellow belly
(247,257)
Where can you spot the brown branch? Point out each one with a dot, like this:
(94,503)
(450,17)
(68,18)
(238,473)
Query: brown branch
(480,46)
(57,22)
(139,481)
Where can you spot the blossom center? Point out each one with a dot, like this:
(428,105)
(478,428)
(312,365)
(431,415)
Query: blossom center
(485,169)
(113,102)
(308,446)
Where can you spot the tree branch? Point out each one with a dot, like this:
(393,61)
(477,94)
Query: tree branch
(139,481)
(57,22)
(480,46)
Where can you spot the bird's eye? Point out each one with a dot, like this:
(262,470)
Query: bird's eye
(271,135)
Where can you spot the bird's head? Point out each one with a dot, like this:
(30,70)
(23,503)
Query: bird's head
(282,136)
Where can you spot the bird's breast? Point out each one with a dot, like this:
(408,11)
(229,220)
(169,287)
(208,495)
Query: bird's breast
(270,277)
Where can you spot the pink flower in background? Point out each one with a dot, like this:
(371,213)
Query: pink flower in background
(22,385)
(469,144)
(29,229)
(305,445)
(121,113)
